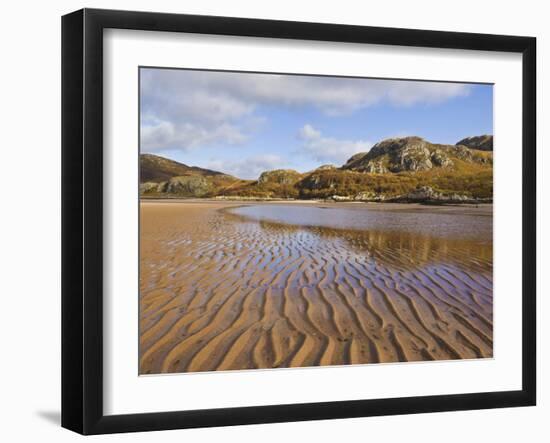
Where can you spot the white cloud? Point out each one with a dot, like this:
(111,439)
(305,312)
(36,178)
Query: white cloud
(248,168)
(403,93)
(182,114)
(184,109)
(161,135)
(308,132)
(328,149)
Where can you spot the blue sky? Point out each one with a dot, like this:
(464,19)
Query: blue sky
(244,123)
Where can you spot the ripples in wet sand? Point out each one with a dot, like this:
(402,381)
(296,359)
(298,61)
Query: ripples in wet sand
(225,287)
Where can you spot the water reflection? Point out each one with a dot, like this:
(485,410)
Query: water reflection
(466,241)
(461,223)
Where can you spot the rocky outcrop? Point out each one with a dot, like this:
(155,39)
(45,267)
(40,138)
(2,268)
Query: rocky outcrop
(186,186)
(341,198)
(356,161)
(400,154)
(318,180)
(326,167)
(423,193)
(408,169)
(426,194)
(462,152)
(410,154)
(479,142)
(375,167)
(441,159)
(150,187)
(369,196)
(280,177)
(414,154)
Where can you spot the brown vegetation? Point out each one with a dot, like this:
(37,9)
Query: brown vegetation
(391,169)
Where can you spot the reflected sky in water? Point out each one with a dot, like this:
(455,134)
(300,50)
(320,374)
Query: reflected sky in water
(399,238)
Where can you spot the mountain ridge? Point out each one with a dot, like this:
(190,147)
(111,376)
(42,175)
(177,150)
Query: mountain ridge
(154,168)
(396,169)
(480,142)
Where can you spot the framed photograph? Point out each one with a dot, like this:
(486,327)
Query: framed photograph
(268,221)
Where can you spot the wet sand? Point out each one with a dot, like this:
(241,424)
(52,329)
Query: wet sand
(220,290)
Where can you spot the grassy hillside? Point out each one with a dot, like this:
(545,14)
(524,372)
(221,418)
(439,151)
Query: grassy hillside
(154,168)
(474,182)
(480,142)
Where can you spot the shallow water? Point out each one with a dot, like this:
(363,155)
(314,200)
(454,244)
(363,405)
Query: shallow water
(436,223)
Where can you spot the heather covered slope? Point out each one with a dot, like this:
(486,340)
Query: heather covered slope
(480,142)
(403,169)
(162,177)
(397,168)
(414,154)
(154,168)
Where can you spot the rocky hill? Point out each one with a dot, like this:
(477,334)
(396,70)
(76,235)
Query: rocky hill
(397,169)
(412,154)
(279,176)
(480,142)
(162,177)
(154,168)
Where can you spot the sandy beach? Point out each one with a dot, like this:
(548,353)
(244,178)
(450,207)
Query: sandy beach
(226,286)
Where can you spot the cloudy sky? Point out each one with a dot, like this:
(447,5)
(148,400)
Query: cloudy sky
(243,124)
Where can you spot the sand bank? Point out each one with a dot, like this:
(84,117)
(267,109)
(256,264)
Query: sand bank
(219,291)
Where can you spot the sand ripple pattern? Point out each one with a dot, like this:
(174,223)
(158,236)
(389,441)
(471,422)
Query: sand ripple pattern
(218,292)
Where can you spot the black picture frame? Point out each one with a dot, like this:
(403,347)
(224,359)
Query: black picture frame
(82,218)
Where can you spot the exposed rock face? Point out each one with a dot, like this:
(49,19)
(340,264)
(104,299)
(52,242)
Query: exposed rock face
(326,167)
(368,196)
(375,167)
(414,154)
(280,176)
(149,187)
(341,198)
(462,152)
(423,193)
(188,186)
(411,154)
(428,194)
(399,154)
(317,180)
(441,159)
(356,160)
(480,142)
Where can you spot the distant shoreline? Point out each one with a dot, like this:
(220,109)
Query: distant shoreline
(404,170)
(482,209)
(391,202)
